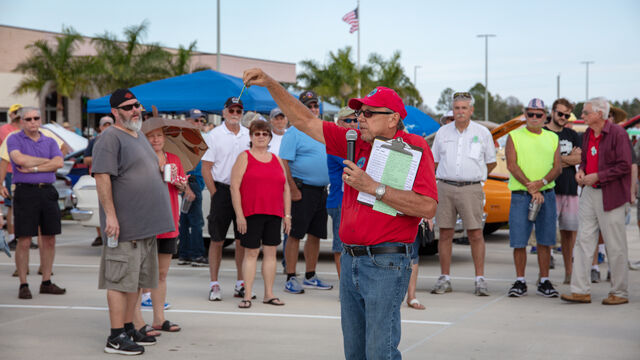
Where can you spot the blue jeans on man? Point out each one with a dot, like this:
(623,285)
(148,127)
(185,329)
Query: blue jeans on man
(191,244)
(372,288)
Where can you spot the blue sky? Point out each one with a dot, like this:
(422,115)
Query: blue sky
(535,41)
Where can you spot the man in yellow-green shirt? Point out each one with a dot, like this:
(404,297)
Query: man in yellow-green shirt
(533,159)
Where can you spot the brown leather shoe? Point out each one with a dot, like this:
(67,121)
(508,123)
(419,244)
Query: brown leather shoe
(614,300)
(577,298)
(51,289)
(24,293)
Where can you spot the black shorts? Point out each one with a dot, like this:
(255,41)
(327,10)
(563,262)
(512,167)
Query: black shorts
(167,246)
(221,214)
(36,206)
(309,215)
(261,227)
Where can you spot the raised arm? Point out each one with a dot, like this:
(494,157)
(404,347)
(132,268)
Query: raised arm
(298,114)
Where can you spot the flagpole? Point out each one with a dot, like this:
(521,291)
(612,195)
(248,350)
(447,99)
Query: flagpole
(359,24)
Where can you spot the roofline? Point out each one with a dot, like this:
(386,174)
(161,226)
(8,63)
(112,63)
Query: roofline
(166,47)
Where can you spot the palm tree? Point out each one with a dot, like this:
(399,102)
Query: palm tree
(128,63)
(56,69)
(390,73)
(337,81)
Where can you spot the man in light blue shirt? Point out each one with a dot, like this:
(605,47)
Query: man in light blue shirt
(305,161)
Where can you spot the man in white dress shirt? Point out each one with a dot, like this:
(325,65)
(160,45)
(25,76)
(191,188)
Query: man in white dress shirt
(279,125)
(464,153)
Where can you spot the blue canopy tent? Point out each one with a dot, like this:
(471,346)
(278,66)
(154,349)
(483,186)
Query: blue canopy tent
(205,90)
(419,123)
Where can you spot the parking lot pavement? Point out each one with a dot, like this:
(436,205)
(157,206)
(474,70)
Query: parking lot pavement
(457,325)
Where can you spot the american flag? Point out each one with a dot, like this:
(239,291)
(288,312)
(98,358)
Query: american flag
(351,18)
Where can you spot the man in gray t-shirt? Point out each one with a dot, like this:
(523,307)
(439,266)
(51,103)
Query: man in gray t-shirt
(134,208)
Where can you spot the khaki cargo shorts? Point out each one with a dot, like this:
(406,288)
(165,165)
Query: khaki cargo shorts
(464,200)
(129,266)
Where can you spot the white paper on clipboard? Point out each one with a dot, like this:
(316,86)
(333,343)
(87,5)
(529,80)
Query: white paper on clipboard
(378,162)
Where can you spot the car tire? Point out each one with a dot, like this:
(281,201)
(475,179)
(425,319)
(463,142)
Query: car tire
(490,228)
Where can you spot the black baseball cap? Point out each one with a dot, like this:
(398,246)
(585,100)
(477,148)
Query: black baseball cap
(307,97)
(233,101)
(119,96)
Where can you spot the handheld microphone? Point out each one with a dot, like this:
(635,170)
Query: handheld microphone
(351,136)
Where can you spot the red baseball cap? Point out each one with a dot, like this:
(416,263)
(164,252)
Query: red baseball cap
(381,97)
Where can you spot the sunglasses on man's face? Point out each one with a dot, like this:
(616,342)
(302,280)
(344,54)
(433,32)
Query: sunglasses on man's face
(536,115)
(350,120)
(130,106)
(234,111)
(261,133)
(35,118)
(368,113)
(313,106)
(561,114)
(201,120)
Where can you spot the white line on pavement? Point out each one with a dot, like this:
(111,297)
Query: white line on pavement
(209,312)
(191,268)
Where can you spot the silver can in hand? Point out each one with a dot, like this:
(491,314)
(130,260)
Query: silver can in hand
(167,173)
(534,209)
(186,205)
(112,241)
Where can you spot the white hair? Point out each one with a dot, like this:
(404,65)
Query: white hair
(468,97)
(23,111)
(600,104)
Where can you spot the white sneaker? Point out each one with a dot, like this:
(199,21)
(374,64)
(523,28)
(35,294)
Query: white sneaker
(215,294)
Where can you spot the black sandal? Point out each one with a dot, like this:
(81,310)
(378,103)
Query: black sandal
(244,304)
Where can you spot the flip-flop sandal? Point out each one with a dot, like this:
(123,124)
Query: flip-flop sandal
(273,301)
(167,326)
(244,304)
(147,330)
(415,304)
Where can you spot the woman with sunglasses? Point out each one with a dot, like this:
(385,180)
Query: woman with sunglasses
(167,242)
(261,199)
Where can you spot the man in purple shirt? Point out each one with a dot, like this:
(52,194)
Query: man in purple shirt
(35,158)
(605,177)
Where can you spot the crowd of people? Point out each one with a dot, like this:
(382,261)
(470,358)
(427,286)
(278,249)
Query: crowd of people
(278,180)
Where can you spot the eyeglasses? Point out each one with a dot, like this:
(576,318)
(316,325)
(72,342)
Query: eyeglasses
(262,133)
(350,120)
(368,113)
(536,115)
(200,120)
(561,114)
(234,111)
(35,118)
(130,106)
(313,106)
(464,95)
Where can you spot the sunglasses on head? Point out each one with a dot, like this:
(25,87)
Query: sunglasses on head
(536,115)
(130,106)
(561,114)
(350,120)
(313,106)
(234,110)
(368,113)
(462,95)
(262,133)
(35,118)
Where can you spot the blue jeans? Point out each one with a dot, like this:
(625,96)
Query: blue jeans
(335,221)
(191,243)
(371,292)
(520,227)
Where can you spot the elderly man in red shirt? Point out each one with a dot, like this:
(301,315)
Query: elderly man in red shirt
(376,260)
(605,177)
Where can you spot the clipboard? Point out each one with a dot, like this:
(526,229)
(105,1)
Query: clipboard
(394,163)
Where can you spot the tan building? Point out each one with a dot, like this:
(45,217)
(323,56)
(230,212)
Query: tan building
(13,42)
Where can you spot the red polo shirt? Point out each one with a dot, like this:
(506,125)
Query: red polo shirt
(360,224)
(593,152)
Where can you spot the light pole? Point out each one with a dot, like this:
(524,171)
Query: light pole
(415,75)
(218,38)
(486,73)
(587,81)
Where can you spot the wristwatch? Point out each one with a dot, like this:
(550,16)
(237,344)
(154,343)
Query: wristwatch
(380,190)
(544,182)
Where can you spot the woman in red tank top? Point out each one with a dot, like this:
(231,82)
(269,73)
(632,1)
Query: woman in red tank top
(261,199)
